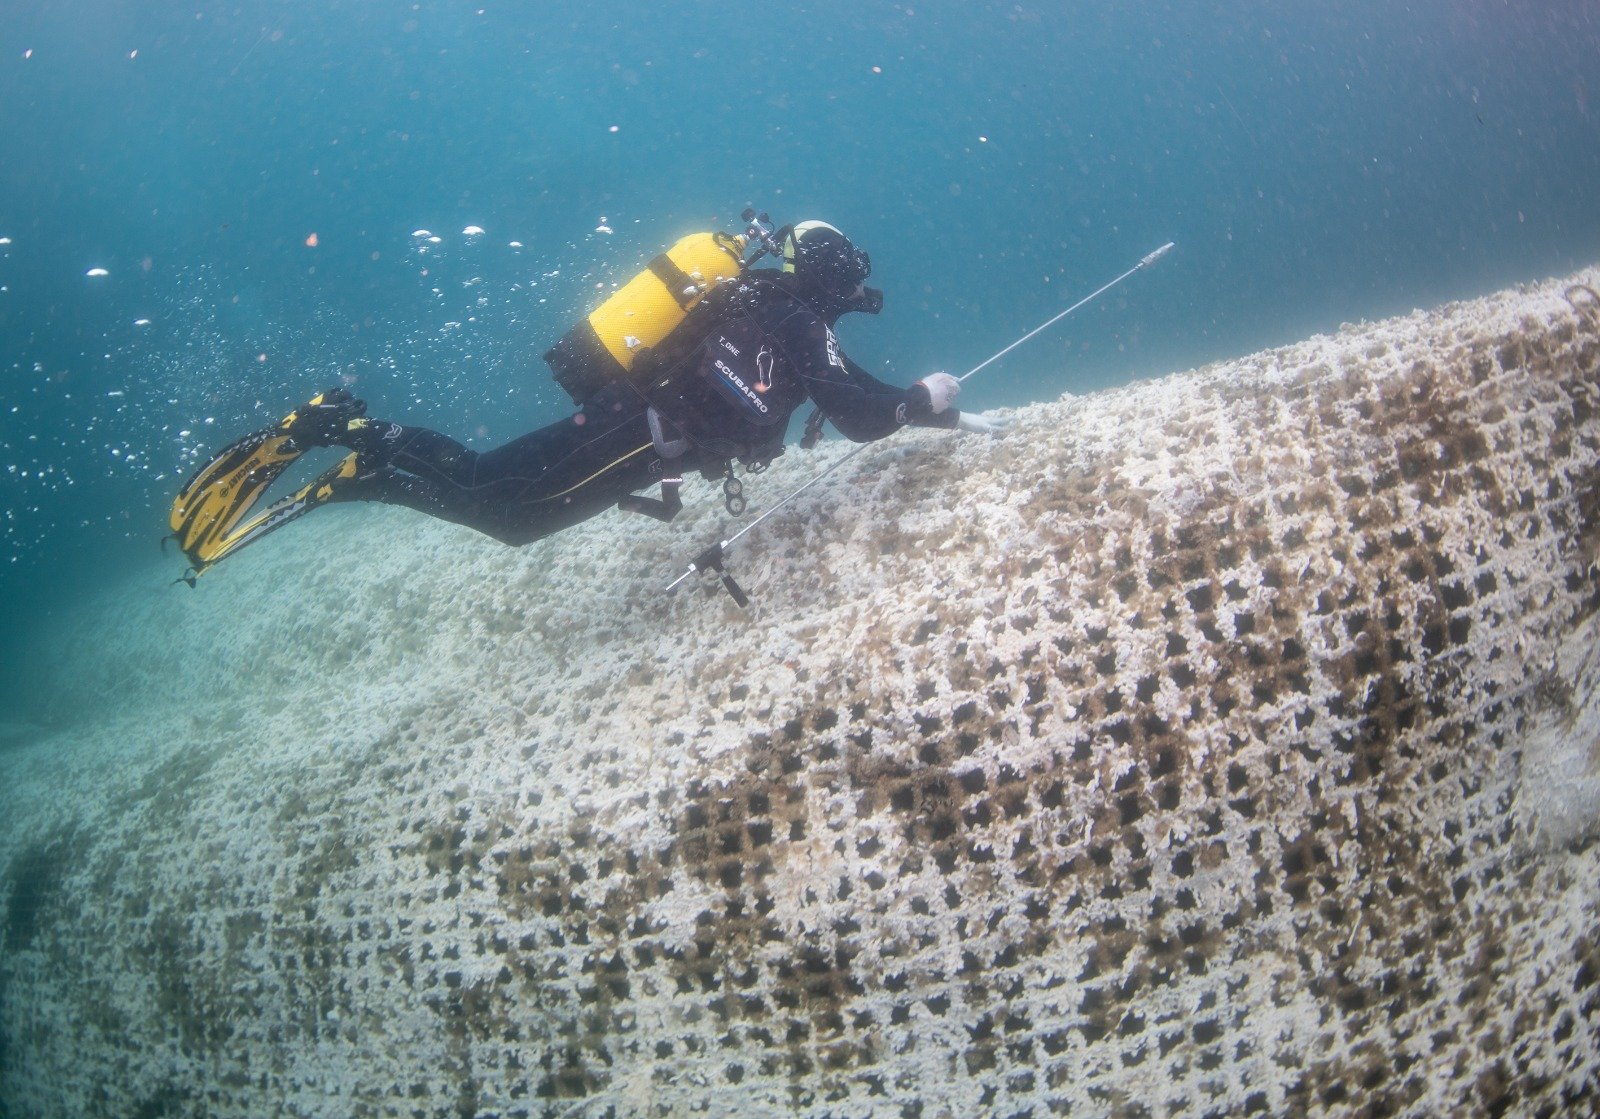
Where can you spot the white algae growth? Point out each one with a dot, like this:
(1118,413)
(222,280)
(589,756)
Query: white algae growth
(1222,744)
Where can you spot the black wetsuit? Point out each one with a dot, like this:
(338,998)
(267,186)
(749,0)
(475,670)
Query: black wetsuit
(723,388)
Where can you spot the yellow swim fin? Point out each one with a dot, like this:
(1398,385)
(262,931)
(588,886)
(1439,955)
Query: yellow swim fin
(223,491)
(219,546)
(207,513)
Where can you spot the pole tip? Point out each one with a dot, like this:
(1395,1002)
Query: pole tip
(1158,254)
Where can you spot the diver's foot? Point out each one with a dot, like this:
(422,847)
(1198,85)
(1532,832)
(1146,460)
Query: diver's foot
(325,420)
(347,479)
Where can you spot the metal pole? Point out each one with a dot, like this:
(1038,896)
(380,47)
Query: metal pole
(1145,262)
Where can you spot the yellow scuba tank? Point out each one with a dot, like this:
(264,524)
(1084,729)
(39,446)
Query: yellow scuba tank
(601,349)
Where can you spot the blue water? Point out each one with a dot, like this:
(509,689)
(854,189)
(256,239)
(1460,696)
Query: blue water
(1316,163)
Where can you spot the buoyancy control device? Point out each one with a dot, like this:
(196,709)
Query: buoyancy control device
(644,312)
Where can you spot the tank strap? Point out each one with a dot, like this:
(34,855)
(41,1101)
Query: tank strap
(683,289)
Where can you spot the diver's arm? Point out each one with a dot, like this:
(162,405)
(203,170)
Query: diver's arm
(864,408)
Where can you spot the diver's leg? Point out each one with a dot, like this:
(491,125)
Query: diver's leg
(545,481)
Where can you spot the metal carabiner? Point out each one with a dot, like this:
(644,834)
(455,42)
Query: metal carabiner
(763,370)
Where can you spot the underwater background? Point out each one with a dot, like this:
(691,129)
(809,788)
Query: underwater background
(249,178)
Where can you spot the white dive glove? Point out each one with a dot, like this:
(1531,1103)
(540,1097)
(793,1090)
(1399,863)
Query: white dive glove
(942,390)
(984,423)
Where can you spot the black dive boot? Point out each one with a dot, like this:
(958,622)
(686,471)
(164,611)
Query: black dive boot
(324,420)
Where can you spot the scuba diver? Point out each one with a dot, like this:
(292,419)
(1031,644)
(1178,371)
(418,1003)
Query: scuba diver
(697,363)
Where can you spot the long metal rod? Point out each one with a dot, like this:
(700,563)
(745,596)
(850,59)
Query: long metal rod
(1144,262)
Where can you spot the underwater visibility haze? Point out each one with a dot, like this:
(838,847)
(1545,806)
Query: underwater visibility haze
(249,177)
(1214,743)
